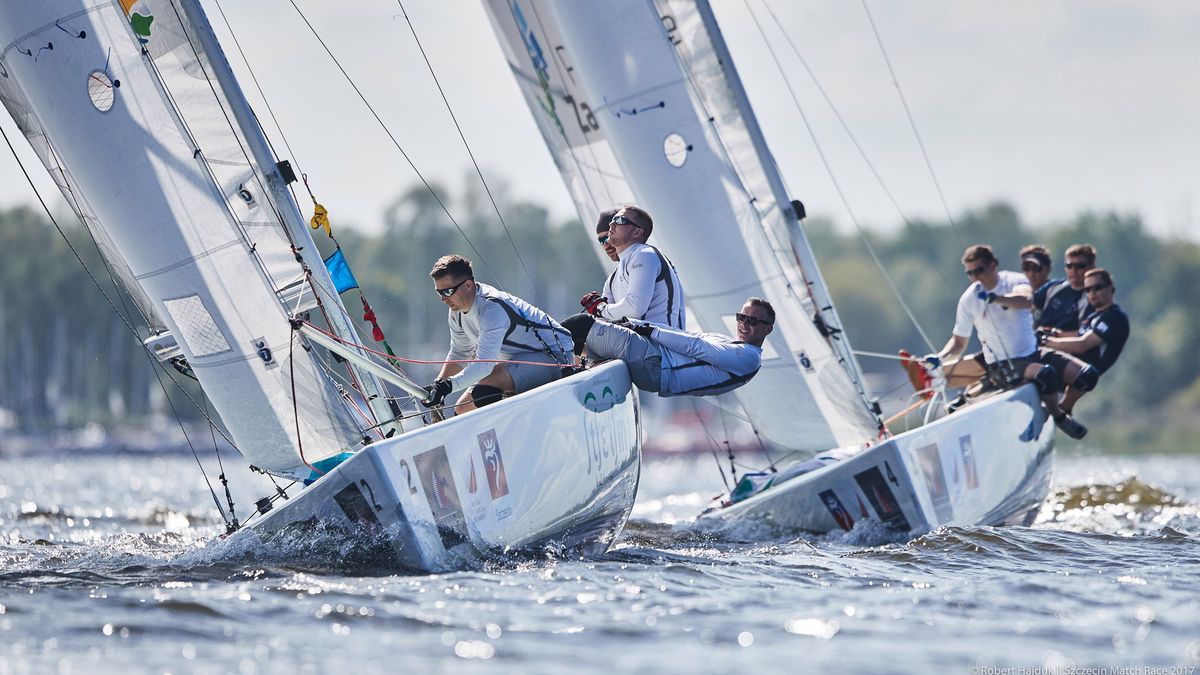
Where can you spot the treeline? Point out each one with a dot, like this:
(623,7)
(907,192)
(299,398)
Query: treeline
(68,359)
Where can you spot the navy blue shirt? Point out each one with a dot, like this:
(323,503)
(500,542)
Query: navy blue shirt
(1062,307)
(1112,327)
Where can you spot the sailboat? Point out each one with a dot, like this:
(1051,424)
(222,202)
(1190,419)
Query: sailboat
(640,103)
(133,109)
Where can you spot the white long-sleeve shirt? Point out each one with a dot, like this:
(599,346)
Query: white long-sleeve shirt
(644,286)
(500,326)
(703,364)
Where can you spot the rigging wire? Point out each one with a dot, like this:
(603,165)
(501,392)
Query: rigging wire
(912,123)
(837,186)
(478,171)
(715,446)
(846,128)
(124,320)
(387,130)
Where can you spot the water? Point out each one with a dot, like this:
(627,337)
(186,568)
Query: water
(109,564)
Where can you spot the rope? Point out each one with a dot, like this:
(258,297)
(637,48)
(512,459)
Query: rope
(912,123)
(837,186)
(295,403)
(396,143)
(478,171)
(715,446)
(423,361)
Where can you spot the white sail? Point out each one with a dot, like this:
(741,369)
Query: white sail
(639,103)
(126,115)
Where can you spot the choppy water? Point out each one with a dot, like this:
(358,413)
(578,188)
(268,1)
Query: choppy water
(108,564)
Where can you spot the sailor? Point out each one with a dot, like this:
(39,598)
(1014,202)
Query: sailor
(677,363)
(487,324)
(1064,304)
(997,306)
(644,286)
(1035,265)
(1101,338)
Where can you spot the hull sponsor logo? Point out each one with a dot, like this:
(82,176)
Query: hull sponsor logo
(839,512)
(967,450)
(493,463)
(935,481)
(350,499)
(473,484)
(886,506)
(436,477)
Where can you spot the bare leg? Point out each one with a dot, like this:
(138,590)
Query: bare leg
(963,373)
(1071,394)
(498,378)
(1050,400)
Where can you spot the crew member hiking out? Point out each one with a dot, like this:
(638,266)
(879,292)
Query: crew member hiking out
(644,286)
(1102,336)
(487,324)
(997,306)
(677,363)
(1064,304)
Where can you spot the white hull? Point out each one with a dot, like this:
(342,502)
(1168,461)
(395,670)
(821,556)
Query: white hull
(556,467)
(988,464)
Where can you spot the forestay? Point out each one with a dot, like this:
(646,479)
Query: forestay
(640,103)
(119,101)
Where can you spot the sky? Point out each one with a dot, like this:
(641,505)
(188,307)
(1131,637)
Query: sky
(1055,106)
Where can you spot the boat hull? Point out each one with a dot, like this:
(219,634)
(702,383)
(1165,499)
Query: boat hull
(988,464)
(557,468)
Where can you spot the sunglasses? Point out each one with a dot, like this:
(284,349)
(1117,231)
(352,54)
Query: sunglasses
(976,271)
(751,321)
(603,239)
(447,292)
(1030,266)
(622,220)
(1095,287)
(1077,266)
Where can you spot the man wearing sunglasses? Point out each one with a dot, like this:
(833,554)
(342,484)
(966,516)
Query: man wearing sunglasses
(487,324)
(1102,336)
(644,286)
(1035,265)
(677,363)
(997,306)
(1065,304)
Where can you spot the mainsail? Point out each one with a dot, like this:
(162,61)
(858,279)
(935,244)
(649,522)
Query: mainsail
(125,103)
(639,103)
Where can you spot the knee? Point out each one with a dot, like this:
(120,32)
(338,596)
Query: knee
(579,325)
(1087,378)
(1046,379)
(484,394)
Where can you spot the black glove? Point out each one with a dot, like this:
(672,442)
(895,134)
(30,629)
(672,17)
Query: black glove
(643,329)
(437,393)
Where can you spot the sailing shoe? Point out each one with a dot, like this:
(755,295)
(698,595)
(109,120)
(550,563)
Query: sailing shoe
(956,403)
(1070,427)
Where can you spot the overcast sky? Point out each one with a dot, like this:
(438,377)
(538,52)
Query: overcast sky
(1054,105)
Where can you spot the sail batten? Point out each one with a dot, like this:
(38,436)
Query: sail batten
(653,114)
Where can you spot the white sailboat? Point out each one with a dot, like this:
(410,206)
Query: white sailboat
(639,102)
(134,111)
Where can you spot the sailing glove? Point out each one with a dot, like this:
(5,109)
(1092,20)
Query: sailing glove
(643,329)
(593,302)
(437,393)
